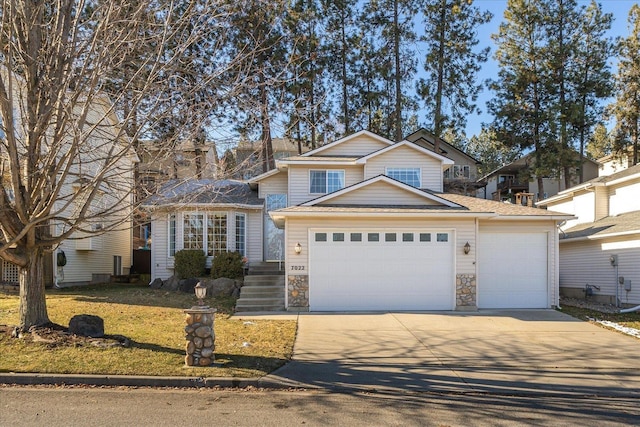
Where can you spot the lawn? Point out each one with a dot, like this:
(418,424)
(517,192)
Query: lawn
(630,320)
(154,322)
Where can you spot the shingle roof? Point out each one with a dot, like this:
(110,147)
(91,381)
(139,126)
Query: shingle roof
(321,159)
(205,191)
(608,178)
(508,209)
(623,223)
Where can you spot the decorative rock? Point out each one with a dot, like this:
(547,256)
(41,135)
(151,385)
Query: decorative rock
(205,361)
(171,284)
(219,287)
(87,325)
(188,360)
(197,342)
(191,347)
(156,284)
(207,352)
(189,329)
(189,319)
(200,336)
(207,342)
(187,285)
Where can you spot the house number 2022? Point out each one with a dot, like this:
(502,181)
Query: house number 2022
(297,267)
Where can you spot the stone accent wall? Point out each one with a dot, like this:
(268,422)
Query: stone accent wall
(466,292)
(298,292)
(200,336)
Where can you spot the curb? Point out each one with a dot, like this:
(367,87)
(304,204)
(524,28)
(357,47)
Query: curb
(135,381)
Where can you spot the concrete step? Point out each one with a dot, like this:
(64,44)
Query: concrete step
(260,304)
(262,292)
(270,280)
(266,308)
(261,269)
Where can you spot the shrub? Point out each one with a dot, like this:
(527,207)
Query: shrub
(189,263)
(227,264)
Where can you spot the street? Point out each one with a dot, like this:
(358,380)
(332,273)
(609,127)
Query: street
(89,406)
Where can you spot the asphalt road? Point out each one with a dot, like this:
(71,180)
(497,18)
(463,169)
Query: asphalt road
(86,406)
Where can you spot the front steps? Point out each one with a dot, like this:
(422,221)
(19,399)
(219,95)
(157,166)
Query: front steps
(263,289)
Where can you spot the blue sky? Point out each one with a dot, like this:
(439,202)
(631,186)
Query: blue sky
(619,9)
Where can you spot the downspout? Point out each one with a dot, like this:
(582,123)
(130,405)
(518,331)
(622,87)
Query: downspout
(630,310)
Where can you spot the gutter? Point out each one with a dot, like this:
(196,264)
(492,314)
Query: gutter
(202,205)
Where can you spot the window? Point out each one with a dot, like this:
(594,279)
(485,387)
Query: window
(407,237)
(389,237)
(443,237)
(410,176)
(425,237)
(373,237)
(356,237)
(325,181)
(338,237)
(241,233)
(193,231)
(458,172)
(216,233)
(172,235)
(321,237)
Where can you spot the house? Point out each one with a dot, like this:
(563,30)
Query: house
(600,248)
(512,179)
(462,176)
(362,224)
(248,154)
(615,162)
(91,255)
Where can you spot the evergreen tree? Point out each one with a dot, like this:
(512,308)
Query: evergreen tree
(626,108)
(452,61)
(489,150)
(599,144)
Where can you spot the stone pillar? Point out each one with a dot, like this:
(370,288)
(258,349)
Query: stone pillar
(200,336)
(466,292)
(298,293)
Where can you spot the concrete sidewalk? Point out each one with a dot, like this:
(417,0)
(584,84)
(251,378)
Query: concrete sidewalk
(501,352)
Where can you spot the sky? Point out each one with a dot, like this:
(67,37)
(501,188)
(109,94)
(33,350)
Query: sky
(619,9)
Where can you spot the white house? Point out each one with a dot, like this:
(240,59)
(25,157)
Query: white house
(600,248)
(362,224)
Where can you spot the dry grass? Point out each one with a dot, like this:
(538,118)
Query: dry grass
(154,321)
(630,320)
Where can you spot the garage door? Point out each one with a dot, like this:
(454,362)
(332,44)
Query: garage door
(512,270)
(381,269)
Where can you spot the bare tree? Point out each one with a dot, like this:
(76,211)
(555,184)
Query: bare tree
(67,151)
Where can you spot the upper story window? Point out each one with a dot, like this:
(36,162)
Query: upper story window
(325,181)
(458,172)
(410,176)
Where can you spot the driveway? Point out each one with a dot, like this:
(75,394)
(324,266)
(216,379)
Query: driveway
(505,352)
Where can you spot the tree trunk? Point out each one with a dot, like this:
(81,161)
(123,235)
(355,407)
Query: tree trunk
(398,76)
(33,307)
(437,126)
(345,95)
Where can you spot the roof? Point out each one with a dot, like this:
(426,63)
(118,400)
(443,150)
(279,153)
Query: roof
(629,173)
(348,138)
(205,192)
(429,138)
(626,223)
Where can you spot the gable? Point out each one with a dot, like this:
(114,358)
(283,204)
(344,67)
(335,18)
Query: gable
(356,145)
(380,193)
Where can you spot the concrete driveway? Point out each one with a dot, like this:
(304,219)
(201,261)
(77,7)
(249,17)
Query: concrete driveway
(506,352)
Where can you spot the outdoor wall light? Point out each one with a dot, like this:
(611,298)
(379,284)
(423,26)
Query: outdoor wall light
(298,248)
(467,248)
(201,292)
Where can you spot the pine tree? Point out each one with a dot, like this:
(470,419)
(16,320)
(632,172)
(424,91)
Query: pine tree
(452,62)
(626,108)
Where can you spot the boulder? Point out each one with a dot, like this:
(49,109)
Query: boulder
(221,287)
(187,285)
(156,284)
(171,284)
(87,325)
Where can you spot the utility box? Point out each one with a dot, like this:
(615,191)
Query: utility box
(627,285)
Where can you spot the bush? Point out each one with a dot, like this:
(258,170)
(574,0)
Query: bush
(190,263)
(227,264)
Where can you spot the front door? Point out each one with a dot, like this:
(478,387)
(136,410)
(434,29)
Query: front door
(273,236)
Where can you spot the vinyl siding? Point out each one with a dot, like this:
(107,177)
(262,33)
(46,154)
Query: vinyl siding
(530,227)
(297,231)
(380,193)
(359,146)
(584,206)
(405,157)
(254,235)
(275,184)
(587,262)
(624,198)
(602,203)
(299,181)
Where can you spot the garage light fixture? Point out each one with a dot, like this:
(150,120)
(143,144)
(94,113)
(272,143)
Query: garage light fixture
(298,248)
(467,248)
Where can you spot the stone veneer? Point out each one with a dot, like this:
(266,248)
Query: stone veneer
(466,292)
(298,292)
(200,336)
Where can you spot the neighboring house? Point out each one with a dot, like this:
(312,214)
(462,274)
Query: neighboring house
(462,176)
(92,258)
(600,248)
(247,154)
(615,162)
(362,224)
(509,180)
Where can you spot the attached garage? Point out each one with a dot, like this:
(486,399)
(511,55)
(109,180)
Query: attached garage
(381,269)
(513,270)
